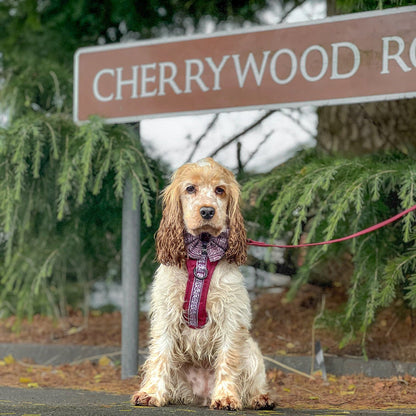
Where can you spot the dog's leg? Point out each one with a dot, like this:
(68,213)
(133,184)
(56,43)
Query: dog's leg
(153,390)
(156,387)
(226,394)
(254,388)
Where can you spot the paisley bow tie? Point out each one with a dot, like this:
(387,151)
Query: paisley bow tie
(206,245)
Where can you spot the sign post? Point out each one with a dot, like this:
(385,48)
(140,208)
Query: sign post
(130,261)
(344,59)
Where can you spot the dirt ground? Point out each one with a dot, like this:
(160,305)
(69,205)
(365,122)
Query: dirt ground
(280,327)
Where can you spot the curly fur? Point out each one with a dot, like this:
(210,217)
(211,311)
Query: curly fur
(219,364)
(170,246)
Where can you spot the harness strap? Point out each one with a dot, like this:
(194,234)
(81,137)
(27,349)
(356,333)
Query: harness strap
(196,294)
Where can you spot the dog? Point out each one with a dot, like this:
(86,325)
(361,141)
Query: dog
(201,351)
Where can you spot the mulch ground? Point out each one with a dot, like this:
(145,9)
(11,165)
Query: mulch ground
(280,327)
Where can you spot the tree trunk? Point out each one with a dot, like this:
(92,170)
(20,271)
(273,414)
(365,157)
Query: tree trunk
(365,128)
(358,129)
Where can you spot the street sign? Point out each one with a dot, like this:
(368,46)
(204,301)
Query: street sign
(345,59)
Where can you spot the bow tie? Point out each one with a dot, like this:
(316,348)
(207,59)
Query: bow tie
(206,245)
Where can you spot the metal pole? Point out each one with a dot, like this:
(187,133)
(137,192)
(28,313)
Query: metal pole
(130,283)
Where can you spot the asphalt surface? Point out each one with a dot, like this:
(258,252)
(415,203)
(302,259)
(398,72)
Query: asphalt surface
(59,402)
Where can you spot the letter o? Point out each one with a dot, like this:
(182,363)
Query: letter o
(292,74)
(304,57)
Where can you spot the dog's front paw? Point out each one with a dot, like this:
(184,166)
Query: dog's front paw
(226,403)
(262,401)
(141,398)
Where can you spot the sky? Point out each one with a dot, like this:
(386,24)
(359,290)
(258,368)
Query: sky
(172,139)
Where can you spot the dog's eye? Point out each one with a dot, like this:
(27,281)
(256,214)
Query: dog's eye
(219,190)
(190,189)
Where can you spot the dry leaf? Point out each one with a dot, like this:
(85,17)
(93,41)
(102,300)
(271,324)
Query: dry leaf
(104,361)
(25,380)
(73,330)
(9,359)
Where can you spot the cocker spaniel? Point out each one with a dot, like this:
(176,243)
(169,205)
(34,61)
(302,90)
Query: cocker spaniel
(201,351)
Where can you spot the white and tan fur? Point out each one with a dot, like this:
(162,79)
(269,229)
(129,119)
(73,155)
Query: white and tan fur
(219,365)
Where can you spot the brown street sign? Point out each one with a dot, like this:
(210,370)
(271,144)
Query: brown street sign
(346,59)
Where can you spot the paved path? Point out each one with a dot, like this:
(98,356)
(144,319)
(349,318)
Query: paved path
(60,354)
(60,402)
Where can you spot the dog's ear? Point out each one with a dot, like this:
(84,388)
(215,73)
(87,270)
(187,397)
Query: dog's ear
(237,241)
(170,245)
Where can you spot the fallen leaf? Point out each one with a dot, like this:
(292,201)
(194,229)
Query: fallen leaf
(9,359)
(73,330)
(25,380)
(346,393)
(104,361)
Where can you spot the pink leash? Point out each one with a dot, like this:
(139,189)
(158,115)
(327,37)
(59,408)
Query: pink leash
(337,240)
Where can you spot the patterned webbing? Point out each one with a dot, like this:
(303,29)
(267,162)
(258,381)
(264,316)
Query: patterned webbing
(204,252)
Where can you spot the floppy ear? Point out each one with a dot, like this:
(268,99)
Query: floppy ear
(170,245)
(237,240)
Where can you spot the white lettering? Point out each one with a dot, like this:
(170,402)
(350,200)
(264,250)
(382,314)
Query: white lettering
(216,70)
(163,79)
(189,77)
(95,90)
(294,66)
(387,57)
(251,62)
(121,82)
(412,52)
(146,79)
(304,57)
(356,65)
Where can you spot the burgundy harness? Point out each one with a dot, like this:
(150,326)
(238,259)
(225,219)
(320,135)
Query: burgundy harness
(204,253)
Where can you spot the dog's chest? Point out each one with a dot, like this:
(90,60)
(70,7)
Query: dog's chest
(219,288)
(227,304)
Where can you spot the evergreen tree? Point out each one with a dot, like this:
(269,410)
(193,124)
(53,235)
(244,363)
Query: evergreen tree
(61,185)
(362,172)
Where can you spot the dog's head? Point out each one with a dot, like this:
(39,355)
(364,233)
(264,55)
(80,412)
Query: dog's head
(202,197)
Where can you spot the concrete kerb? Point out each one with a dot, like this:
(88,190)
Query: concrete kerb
(63,354)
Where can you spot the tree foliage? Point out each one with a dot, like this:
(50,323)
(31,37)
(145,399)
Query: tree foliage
(325,197)
(321,195)
(351,6)
(61,184)
(61,205)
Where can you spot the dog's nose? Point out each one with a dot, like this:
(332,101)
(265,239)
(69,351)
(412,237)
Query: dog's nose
(207,212)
